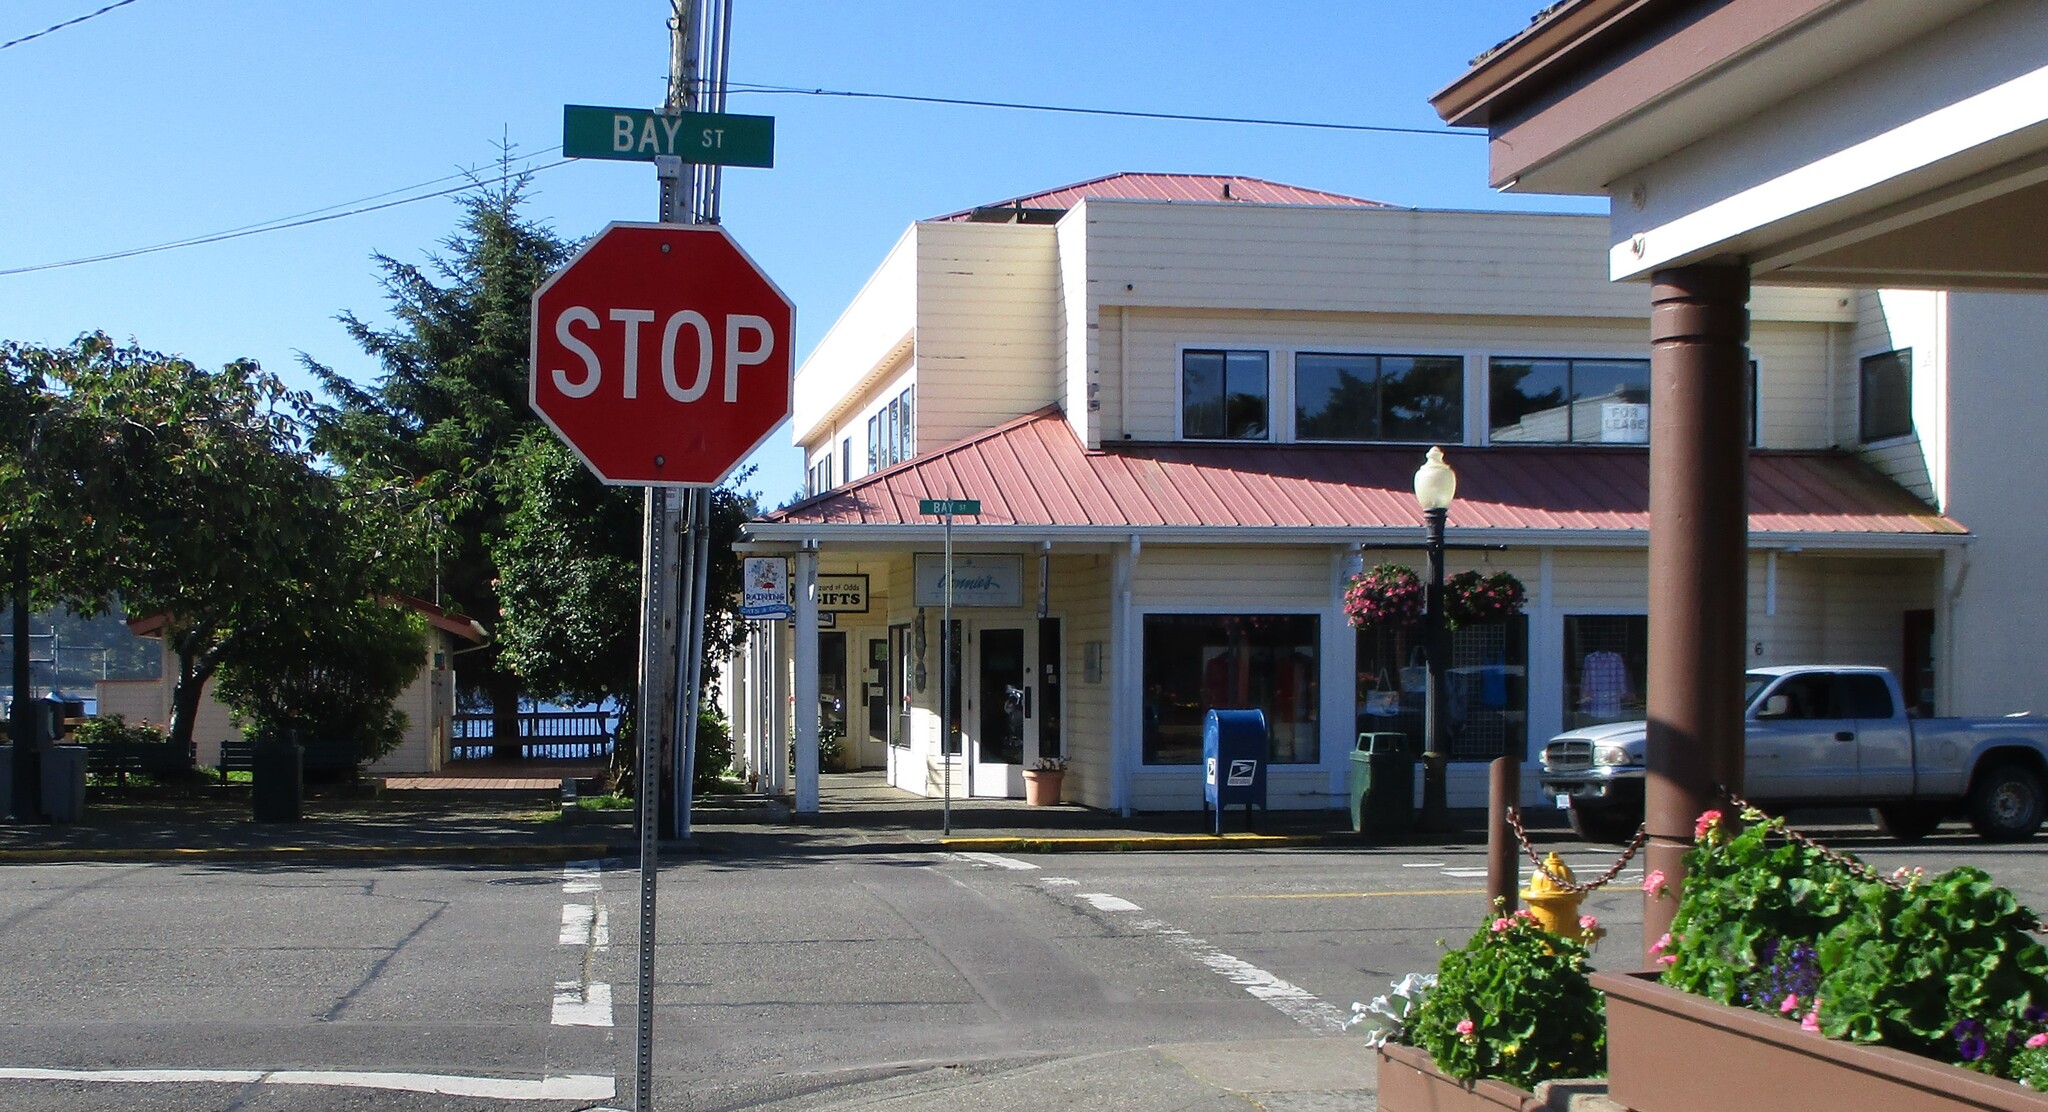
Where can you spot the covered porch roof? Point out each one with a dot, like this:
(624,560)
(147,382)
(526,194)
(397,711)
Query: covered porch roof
(1036,481)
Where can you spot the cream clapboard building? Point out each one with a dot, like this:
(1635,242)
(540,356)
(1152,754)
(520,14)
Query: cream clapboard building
(1191,408)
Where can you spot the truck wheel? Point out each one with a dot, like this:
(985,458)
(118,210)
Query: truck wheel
(2007,803)
(1907,822)
(1603,826)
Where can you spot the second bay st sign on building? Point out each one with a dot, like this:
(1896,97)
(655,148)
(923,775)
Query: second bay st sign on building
(661,354)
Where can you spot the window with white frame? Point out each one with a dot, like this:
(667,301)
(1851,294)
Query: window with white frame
(1569,401)
(1886,407)
(1360,397)
(1577,401)
(906,435)
(1223,394)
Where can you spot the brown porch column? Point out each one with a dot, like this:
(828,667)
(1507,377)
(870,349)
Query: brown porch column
(1699,407)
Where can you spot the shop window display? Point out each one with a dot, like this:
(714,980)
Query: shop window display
(1195,663)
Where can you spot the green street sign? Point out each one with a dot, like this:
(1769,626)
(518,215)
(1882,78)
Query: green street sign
(965,507)
(641,135)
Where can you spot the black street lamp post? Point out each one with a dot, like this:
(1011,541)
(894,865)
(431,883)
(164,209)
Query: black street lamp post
(1436,486)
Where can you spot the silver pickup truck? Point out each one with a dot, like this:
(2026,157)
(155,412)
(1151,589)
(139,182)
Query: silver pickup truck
(1830,736)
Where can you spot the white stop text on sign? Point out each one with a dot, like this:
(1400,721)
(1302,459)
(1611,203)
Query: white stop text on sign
(744,340)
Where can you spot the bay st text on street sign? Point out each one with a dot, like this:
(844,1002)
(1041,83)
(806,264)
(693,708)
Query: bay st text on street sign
(965,507)
(641,135)
(661,354)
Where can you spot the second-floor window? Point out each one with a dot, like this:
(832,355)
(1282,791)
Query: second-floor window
(1223,395)
(1887,398)
(1564,401)
(906,434)
(1379,397)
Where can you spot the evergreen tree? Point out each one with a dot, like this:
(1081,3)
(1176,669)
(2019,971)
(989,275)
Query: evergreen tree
(450,403)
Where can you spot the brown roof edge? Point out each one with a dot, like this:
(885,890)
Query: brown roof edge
(1541,55)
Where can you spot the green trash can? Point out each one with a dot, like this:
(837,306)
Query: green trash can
(1382,785)
(277,781)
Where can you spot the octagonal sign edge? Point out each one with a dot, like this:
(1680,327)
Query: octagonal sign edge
(661,354)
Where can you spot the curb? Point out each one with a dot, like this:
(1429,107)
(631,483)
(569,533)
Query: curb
(481,854)
(1134,843)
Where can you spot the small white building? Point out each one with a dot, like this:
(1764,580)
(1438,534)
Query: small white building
(1191,408)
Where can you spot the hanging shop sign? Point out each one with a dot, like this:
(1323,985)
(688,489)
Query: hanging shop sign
(977,580)
(766,592)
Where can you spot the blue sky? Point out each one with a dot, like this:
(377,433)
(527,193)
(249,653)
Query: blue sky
(167,119)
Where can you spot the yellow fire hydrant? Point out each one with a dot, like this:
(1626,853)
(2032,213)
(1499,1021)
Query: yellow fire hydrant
(1556,908)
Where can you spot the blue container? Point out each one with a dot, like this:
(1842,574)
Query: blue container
(1234,762)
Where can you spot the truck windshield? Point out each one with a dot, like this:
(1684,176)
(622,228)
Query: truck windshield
(1753,685)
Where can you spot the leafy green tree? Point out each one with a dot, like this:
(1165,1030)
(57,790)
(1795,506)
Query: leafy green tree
(570,565)
(184,492)
(450,400)
(334,675)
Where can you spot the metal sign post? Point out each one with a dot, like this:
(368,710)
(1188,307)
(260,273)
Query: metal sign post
(945,508)
(626,272)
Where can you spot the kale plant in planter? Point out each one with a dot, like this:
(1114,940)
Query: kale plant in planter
(1944,967)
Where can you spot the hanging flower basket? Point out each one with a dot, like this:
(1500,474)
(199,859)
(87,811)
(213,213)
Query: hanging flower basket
(1474,599)
(1386,596)
(1392,596)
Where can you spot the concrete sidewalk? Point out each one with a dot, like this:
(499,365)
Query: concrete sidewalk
(858,812)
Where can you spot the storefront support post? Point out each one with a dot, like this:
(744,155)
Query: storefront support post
(1699,436)
(804,627)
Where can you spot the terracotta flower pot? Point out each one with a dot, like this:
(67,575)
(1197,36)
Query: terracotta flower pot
(1672,1051)
(1042,786)
(1410,1082)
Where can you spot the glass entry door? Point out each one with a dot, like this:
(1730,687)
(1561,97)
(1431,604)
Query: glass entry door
(1002,718)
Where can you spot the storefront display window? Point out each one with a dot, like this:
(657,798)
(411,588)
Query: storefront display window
(1487,689)
(1606,659)
(1195,663)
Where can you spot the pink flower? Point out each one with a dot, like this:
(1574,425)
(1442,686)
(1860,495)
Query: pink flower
(1657,947)
(1653,882)
(1464,1030)
(2038,1041)
(1812,1020)
(1502,924)
(1589,924)
(1790,1005)
(1709,823)
(1667,959)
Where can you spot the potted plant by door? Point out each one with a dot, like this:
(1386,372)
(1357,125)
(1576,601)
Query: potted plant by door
(1042,781)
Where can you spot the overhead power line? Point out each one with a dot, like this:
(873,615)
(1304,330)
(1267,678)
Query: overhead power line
(67,23)
(1386,129)
(300,221)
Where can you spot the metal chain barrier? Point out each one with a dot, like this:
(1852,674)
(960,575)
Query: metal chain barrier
(1634,844)
(1849,864)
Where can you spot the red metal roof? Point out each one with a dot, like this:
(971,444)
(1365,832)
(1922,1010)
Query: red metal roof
(1170,187)
(1033,472)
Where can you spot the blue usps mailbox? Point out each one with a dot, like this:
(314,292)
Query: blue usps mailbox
(1234,762)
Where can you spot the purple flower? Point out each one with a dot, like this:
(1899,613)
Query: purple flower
(1969,1036)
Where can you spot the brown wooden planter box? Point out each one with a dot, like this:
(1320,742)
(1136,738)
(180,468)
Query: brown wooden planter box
(1410,1082)
(1672,1051)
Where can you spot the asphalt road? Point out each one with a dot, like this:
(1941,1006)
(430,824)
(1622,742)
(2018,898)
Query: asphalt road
(894,980)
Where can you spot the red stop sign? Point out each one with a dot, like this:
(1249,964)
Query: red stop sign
(661,354)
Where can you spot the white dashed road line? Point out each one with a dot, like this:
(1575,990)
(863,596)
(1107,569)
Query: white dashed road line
(1291,1000)
(996,861)
(586,925)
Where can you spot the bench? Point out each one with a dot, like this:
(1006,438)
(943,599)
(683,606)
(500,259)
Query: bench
(121,759)
(321,758)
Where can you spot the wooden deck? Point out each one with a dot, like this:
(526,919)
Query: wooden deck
(493,775)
